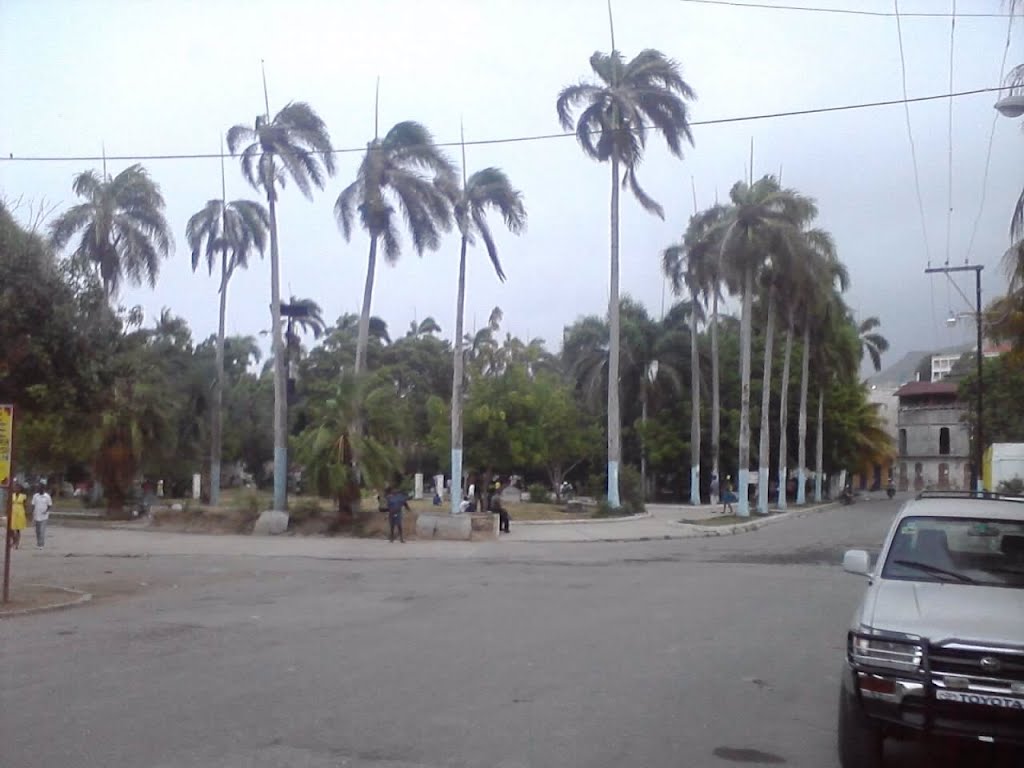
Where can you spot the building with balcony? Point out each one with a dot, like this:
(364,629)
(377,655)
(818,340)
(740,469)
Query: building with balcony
(933,440)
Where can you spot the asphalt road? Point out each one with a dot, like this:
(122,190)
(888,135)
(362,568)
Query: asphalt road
(691,653)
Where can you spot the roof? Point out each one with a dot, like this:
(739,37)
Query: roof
(965,506)
(921,388)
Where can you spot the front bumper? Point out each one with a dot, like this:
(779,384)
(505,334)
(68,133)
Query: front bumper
(912,701)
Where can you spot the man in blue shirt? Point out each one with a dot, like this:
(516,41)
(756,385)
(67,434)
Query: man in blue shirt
(397,502)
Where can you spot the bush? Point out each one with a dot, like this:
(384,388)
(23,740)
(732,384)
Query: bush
(539,493)
(631,490)
(1012,487)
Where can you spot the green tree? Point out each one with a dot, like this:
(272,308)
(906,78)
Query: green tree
(612,127)
(124,232)
(295,146)
(225,234)
(873,344)
(397,172)
(489,189)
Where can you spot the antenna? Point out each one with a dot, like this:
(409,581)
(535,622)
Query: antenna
(376,110)
(693,189)
(462,142)
(611,25)
(751,161)
(103,149)
(266,98)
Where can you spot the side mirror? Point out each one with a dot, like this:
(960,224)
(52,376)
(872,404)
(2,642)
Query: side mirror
(857,561)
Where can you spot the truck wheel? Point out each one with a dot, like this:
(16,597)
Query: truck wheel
(859,738)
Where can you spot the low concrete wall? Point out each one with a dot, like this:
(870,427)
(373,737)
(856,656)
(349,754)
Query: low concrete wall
(456,527)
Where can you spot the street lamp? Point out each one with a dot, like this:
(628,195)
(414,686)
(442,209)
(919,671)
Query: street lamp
(1011,106)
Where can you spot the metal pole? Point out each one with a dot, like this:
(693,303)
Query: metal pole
(979,434)
(10,514)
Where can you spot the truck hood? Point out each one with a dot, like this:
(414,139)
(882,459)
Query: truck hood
(942,611)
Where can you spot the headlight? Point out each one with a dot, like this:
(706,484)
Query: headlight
(868,651)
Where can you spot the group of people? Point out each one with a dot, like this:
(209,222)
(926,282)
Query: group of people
(394,502)
(41,503)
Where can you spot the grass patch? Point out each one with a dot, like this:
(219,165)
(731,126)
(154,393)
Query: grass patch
(719,520)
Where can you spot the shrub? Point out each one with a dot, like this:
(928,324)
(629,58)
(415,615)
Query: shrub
(539,493)
(1013,487)
(631,490)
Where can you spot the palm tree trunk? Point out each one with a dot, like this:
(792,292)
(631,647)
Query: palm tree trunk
(764,445)
(694,405)
(643,445)
(277,350)
(820,446)
(457,379)
(743,468)
(716,407)
(784,414)
(363,338)
(801,459)
(614,422)
(218,389)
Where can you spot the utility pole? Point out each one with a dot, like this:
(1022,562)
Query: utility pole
(979,430)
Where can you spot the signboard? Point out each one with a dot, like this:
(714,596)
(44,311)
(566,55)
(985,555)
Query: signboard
(6,433)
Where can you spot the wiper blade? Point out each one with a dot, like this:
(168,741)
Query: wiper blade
(928,568)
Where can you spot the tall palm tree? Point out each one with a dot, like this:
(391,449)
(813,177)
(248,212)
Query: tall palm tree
(617,109)
(800,287)
(687,266)
(229,233)
(489,189)
(426,327)
(872,343)
(400,168)
(124,232)
(295,146)
(763,218)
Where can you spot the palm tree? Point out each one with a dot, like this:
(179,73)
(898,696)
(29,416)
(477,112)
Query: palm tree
(425,327)
(124,232)
(230,232)
(800,287)
(395,167)
(617,110)
(687,265)
(295,146)
(763,219)
(489,189)
(873,344)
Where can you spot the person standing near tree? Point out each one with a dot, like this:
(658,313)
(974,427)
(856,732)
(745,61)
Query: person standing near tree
(18,519)
(397,503)
(41,504)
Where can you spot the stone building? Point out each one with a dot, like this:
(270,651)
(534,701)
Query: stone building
(933,441)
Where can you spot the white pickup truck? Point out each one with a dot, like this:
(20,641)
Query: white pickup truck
(937,644)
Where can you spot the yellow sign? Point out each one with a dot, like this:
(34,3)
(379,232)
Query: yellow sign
(6,432)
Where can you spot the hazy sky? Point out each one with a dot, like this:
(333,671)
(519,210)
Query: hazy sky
(170,76)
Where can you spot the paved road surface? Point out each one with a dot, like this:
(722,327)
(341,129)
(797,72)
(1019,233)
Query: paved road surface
(683,654)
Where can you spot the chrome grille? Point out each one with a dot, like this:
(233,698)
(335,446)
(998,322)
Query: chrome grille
(972,662)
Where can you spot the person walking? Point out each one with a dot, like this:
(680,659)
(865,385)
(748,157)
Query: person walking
(41,504)
(728,497)
(397,502)
(18,518)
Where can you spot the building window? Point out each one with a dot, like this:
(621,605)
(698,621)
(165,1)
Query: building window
(903,442)
(944,441)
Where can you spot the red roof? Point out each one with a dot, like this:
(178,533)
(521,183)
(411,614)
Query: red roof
(921,388)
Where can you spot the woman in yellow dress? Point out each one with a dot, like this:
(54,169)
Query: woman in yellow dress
(18,519)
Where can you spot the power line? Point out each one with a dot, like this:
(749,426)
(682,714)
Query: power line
(535,137)
(949,142)
(846,11)
(910,133)
(988,152)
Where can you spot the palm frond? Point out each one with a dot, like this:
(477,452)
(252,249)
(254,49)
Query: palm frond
(649,203)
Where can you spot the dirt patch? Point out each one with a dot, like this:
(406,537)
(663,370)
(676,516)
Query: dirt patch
(203,520)
(36,597)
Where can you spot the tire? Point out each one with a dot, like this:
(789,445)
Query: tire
(859,739)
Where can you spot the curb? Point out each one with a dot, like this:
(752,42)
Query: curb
(758,521)
(80,597)
(586,520)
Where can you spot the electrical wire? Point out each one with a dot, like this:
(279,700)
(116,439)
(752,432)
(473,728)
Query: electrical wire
(988,152)
(949,143)
(11,158)
(910,133)
(846,11)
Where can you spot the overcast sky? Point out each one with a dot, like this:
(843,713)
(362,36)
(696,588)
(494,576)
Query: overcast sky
(170,76)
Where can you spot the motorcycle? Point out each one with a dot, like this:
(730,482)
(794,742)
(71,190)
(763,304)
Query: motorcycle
(846,497)
(890,491)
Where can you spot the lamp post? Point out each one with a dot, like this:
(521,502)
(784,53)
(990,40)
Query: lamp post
(979,431)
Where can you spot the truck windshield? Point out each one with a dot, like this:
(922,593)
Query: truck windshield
(958,550)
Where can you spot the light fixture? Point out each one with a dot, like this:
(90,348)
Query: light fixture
(952,319)
(1011,106)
